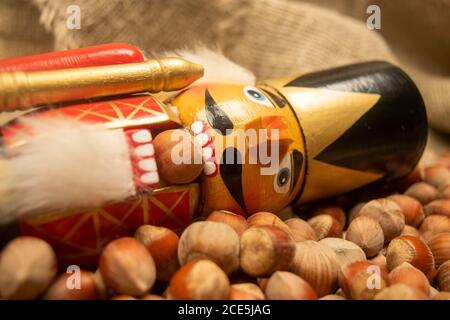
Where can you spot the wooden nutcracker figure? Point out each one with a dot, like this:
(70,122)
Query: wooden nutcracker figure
(85,172)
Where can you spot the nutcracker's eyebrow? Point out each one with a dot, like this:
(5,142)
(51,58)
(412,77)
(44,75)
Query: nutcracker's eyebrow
(279,101)
(216,117)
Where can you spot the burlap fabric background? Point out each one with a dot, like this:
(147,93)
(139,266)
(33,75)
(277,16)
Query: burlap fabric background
(270,37)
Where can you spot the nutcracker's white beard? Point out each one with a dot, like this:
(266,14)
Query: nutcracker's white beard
(66,164)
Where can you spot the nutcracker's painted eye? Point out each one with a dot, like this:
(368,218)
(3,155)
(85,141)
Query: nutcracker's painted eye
(283,177)
(282,181)
(257,96)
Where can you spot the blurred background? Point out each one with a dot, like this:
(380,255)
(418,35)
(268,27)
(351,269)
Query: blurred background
(269,37)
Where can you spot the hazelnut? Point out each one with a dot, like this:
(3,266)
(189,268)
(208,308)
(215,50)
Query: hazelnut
(265,249)
(423,192)
(267,219)
(214,241)
(440,207)
(355,211)
(412,250)
(286,213)
(152,297)
(325,226)
(102,291)
(246,291)
(400,291)
(317,264)
(441,296)
(283,285)
(437,175)
(262,283)
(301,230)
(332,297)
(410,231)
(433,225)
(440,247)
(162,243)
(413,177)
(60,289)
(444,192)
(367,234)
(127,267)
(199,280)
(443,276)
(380,260)
(346,251)
(360,281)
(235,221)
(240,276)
(411,276)
(336,212)
(433,291)
(389,216)
(340,293)
(27,267)
(444,159)
(411,208)
(177,173)
(123,297)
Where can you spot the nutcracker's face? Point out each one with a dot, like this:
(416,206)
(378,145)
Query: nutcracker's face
(252,143)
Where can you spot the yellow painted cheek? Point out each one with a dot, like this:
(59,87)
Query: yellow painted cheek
(259,191)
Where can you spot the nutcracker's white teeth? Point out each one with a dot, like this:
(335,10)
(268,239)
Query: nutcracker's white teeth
(202,139)
(142,136)
(147,164)
(145,150)
(207,152)
(209,168)
(197,127)
(150,178)
(142,156)
(200,129)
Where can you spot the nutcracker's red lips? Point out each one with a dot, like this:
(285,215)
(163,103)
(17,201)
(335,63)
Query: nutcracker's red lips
(203,137)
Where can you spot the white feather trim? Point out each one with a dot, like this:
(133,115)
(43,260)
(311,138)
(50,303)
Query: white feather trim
(68,164)
(218,68)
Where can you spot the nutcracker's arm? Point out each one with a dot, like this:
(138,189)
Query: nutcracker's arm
(82,155)
(85,155)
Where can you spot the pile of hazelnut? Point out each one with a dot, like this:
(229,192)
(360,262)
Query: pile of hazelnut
(396,247)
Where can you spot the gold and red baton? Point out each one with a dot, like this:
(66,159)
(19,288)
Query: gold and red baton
(98,55)
(24,90)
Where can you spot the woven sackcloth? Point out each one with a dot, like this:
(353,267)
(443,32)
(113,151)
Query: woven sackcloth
(270,37)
